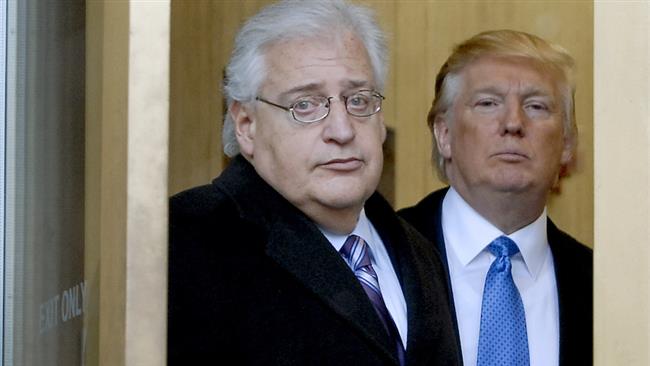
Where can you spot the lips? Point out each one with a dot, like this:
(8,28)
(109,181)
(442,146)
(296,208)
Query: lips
(511,155)
(345,164)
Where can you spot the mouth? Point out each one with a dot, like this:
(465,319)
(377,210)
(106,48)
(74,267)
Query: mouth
(510,156)
(342,165)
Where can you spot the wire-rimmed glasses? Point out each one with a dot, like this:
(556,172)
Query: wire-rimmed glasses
(310,109)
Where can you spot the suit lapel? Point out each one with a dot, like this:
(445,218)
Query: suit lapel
(299,248)
(423,319)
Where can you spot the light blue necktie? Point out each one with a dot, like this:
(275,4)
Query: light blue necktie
(502,340)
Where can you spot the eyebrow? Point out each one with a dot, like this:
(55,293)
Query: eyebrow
(537,92)
(529,91)
(353,84)
(313,87)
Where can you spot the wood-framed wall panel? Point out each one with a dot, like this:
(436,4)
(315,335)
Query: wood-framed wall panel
(127,120)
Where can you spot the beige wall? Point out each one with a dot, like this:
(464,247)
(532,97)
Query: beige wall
(421,36)
(622,196)
(202,35)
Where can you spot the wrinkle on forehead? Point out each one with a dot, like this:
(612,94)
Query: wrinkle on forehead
(518,87)
(290,62)
(537,79)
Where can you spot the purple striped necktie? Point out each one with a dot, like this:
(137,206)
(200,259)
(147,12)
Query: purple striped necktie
(356,253)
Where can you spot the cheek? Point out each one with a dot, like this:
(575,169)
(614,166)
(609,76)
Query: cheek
(467,139)
(373,141)
(278,149)
(552,143)
(295,150)
(281,138)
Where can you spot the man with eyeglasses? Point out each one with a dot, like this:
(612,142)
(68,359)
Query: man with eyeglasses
(290,257)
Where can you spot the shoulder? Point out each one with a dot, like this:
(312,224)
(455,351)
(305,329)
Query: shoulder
(200,214)
(200,208)
(412,234)
(406,239)
(196,202)
(568,250)
(421,212)
(566,244)
(388,223)
(425,216)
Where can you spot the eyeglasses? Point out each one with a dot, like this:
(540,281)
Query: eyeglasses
(310,109)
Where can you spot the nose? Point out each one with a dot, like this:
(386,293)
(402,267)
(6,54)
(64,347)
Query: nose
(338,125)
(513,121)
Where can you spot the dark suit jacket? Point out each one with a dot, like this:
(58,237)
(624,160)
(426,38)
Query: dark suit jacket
(573,271)
(252,279)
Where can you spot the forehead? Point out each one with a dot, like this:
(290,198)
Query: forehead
(317,63)
(500,73)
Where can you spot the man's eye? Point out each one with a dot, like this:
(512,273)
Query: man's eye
(486,103)
(538,106)
(305,105)
(358,100)
(537,110)
(358,103)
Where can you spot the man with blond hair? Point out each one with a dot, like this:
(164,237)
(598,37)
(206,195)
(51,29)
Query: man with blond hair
(504,134)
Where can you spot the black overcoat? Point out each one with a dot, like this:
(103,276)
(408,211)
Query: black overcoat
(252,279)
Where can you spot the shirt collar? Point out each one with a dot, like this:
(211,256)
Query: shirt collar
(362,229)
(462,224)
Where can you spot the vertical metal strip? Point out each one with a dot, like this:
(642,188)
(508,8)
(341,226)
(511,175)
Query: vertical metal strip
(13,177)
(3,120)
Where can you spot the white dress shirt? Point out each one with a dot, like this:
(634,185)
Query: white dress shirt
(389,285)
(467,234)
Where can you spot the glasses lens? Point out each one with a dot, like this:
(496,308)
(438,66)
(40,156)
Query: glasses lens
(310,109)
(364,103)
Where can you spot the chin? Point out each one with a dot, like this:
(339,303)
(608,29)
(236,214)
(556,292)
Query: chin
(511,181)
(344,199)
(514,185)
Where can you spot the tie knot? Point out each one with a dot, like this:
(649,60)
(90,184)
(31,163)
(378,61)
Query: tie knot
(356,252)
(503,247)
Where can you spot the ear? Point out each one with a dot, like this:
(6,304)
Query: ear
(442,135)
(567,163)
(568,153)
(244,128)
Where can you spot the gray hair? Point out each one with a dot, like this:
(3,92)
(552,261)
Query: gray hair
(504,43)
(291,20)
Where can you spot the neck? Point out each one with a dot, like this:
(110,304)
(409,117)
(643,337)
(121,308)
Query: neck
(337,221)
(508,211)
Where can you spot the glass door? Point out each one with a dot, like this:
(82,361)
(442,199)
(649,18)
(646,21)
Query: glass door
(43,63)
